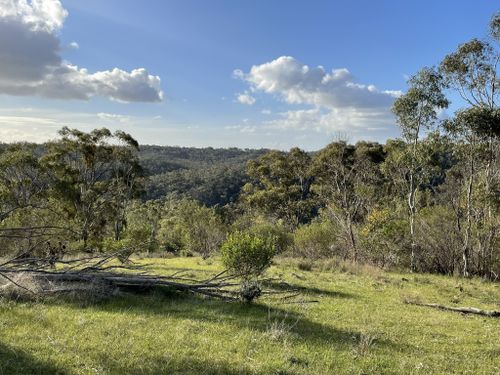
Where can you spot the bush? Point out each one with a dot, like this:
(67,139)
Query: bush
(281,237)
(190,228)
(439,242)
(316,240)
(245,254)
(384,238)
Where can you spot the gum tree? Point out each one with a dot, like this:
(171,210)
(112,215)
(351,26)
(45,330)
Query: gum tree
(417,111)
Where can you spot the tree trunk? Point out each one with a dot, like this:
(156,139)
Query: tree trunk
(466,250)
(411,209)
(352,240)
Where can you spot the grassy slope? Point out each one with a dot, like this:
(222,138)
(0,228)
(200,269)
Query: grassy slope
(161,334)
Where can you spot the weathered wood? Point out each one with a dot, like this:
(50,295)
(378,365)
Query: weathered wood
(464,310)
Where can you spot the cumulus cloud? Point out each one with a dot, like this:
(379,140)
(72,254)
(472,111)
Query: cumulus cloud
(336,102)
(299,84)
(31,62)
(245,98)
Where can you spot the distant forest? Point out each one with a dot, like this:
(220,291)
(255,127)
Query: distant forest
(211,176)
(208,175)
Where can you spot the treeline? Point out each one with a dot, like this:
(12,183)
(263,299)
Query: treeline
(208,175)
(428,201)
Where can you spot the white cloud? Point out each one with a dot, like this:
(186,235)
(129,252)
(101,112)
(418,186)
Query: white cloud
(245,98)
(31,64)
(266,112)
(300,84)
(113,117)
(336,102)
(349,120)
(74,45)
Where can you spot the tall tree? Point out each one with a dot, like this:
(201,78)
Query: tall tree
(281,186)
(93,175)
(416,111)
(345,180)
(472,72)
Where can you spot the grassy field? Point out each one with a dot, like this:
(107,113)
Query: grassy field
(359,325)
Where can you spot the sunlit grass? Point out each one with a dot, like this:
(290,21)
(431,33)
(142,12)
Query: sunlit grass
(359,325)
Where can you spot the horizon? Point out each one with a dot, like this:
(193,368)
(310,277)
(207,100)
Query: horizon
(220,74)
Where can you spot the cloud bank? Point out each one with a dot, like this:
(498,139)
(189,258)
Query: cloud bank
(31,62)
(335,101)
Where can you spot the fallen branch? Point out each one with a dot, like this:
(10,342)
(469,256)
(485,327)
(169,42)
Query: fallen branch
(464,310)
(106,274)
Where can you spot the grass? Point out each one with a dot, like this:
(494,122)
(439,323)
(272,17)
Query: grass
(359,325)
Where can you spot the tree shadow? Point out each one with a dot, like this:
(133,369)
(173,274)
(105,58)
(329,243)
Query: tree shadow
(183,366)
(307,290)
(16,361)
(241,315)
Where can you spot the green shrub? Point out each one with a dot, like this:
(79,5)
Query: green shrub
(245,254)
(384,238)
(281,237)
(316,240)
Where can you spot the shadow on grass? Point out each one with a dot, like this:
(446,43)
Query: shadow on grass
(240,315)
(184,366)
(15,361)
(307,290)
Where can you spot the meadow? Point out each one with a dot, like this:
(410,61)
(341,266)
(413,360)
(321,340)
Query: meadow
(347,319)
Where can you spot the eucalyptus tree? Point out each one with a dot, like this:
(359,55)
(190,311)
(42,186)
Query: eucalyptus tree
(472,72)
(281,186)
(417,111)
(23,181)
(346,178)
(93,175)
(25,220)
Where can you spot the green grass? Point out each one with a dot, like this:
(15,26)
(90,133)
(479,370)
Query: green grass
(359,325)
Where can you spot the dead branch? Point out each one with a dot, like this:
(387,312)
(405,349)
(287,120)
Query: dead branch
(52,275)
(464,310)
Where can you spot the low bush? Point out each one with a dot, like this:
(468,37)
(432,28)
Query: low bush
(246,255)
(316,240)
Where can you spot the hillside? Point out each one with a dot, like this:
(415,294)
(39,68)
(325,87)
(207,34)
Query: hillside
(211,176)
(359,325)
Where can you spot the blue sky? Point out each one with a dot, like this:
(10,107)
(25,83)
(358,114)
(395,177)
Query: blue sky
(221,73)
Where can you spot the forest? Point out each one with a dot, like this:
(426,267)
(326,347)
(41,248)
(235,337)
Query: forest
(95,206)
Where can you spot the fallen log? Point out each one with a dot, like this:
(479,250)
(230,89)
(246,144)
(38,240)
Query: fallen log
(464,310)
(105,274)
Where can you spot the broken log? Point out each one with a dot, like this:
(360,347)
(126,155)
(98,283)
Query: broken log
(106,274)
(464,310)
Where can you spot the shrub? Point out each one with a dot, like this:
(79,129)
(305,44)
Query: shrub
(245,254)
(316,240)
(439,241)
(281,237)
(384,238)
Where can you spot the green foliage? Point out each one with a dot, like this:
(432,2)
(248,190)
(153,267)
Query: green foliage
(440,240)
(281,186)
(281,238)
(384,238)
(246,255)
(318,239)
(190,227)
(213,177)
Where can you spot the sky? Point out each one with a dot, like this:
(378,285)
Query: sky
(221,73)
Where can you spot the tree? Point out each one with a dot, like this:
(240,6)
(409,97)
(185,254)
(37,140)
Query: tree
(416,111)
(345,177)
(472,72)
(93,176)
(281,186)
